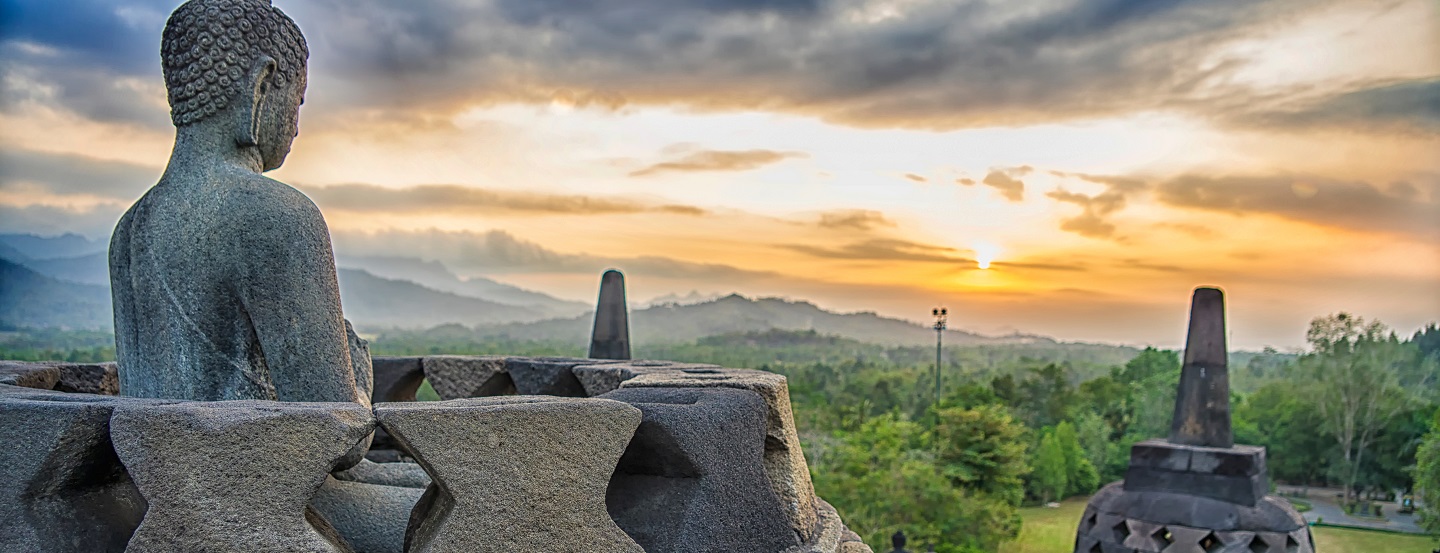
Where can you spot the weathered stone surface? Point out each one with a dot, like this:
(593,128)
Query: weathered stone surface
(223,281)
(465,376)
(371,518)
(693,477)
(1202,403)
(1235,474)
(62,488)
(610,337)
(98,378)
(235,476)
(40,376)
(514,473)
(396,378)
(547,376)
(830,534)
(784,460)
(405,475)
(606,377)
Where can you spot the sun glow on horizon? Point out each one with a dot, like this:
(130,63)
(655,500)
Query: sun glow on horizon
(985,252)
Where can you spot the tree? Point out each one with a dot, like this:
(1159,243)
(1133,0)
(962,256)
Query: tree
(1355,371)
(1079,472)
(884,476)
(1097,439)
(1427,477)
(1048,478)
(983,450)
(1281,418)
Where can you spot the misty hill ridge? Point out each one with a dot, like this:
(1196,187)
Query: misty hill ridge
(435,275)
(736,314)
(30,299)
(372,301)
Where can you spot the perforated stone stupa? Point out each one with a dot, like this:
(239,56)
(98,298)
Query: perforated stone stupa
(1195,492)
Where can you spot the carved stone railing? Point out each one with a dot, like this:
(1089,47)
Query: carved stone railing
(593,455)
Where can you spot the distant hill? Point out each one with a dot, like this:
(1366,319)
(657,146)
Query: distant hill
(435,275)
(86,269)
(371,301)
(736,314)
(30,299)
(50,247)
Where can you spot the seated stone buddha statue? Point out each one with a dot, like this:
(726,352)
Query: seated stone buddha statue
(223,280)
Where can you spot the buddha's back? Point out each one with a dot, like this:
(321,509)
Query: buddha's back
(223,282)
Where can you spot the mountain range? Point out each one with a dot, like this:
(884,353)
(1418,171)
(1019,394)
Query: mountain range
(63,282)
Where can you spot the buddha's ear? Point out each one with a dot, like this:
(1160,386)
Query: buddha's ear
(257,86)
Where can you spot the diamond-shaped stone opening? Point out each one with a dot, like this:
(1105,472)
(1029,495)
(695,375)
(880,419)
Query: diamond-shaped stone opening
(1096,548)
(1211,543)
(1088,523)
(1291,546)
(1163,537)
(1122,531)
(1258,545)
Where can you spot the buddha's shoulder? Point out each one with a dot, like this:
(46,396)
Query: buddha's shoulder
(252,191)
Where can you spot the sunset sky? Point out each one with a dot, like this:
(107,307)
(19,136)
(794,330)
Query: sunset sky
(1067,168)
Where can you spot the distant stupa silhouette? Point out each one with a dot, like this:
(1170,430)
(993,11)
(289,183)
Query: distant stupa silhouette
(610,338)
(1196,491)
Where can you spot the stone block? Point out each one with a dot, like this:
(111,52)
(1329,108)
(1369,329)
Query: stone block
(693,477)
(784,459)
(371,518)
(405,475)
(466,376)
(514,473)
(62,487)
(605,378)
(1235,474)
(830,534)
(40,376)
(97,378)
(396,378)
(235,475)
(548,376)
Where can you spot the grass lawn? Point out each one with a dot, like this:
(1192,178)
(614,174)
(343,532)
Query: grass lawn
(1053,531)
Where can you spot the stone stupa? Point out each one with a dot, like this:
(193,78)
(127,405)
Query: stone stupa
(1195,492)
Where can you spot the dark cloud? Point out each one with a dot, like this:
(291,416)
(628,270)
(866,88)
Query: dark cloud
(1318,201)
(1394,106)
(884,249)
(718,160)
(450,198)
(69,174)
(854,219)
(937,64)
(1011,188)
(499,252)
(1091,222)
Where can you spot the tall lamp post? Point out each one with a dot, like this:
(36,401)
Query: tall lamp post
(941,317)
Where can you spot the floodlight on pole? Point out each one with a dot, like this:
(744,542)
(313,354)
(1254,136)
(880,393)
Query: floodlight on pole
(942,316)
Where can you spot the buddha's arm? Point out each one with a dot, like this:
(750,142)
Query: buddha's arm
(293,299)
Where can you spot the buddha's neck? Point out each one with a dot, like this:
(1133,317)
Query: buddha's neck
(208,145)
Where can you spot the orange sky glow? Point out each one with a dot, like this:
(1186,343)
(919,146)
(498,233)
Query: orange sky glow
(1292,159)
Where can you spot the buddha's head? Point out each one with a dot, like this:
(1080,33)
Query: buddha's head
(237,66)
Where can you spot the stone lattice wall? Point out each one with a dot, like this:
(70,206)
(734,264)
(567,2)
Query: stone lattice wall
(574,462)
